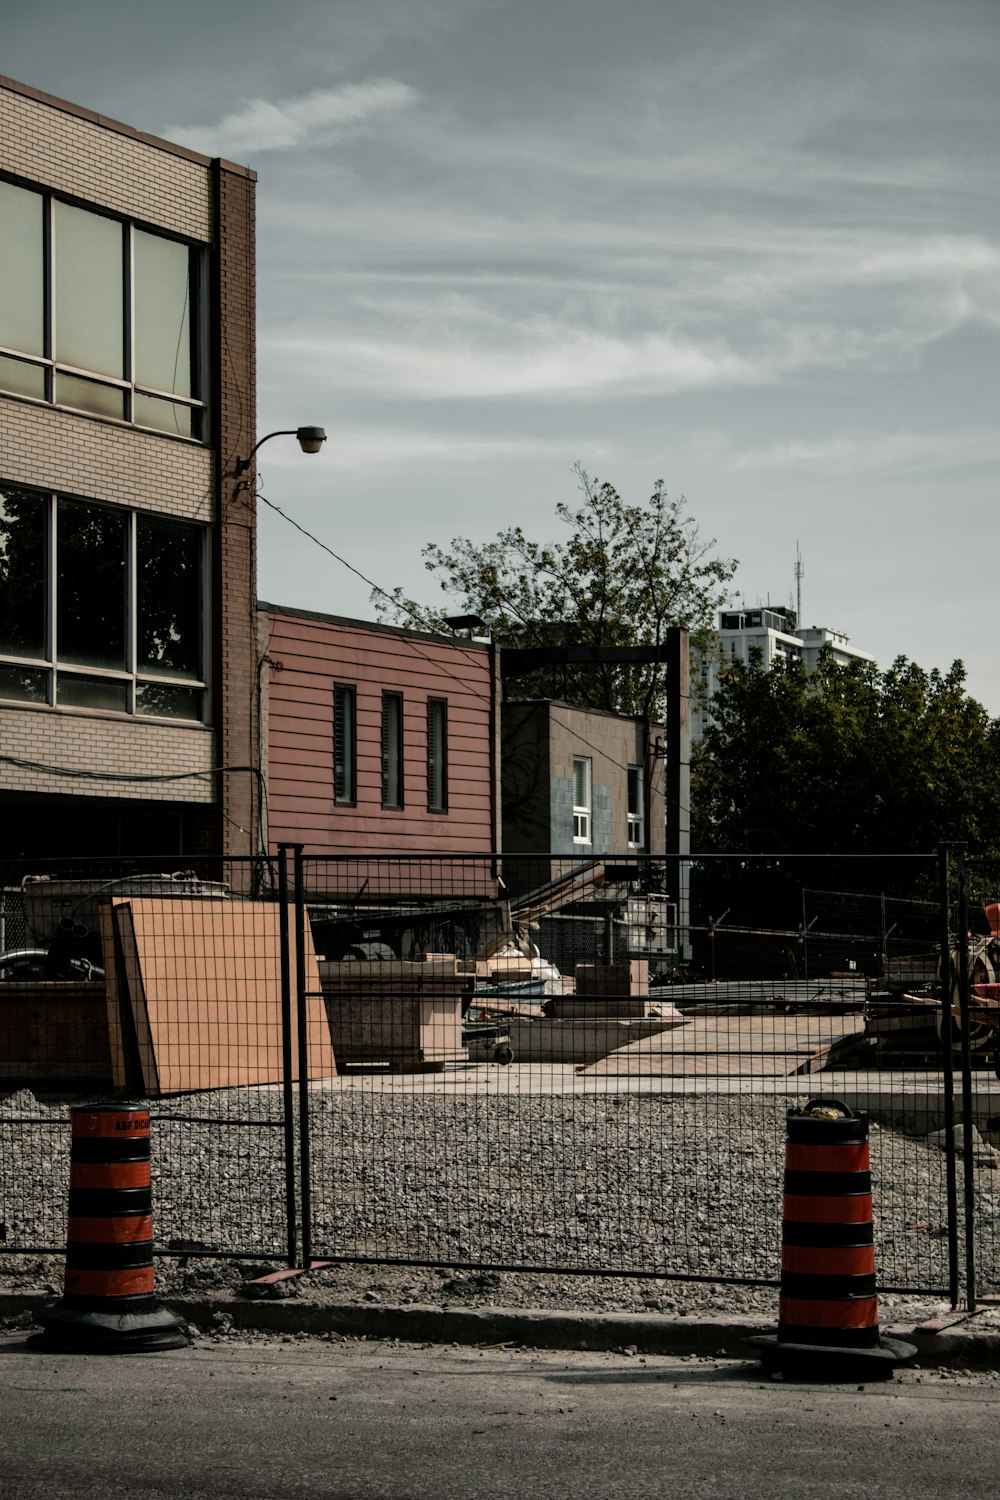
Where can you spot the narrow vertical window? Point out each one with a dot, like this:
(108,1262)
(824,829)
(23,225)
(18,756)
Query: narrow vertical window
(165,352)
(581,800)
(91,603)
(392,750)
(437,755)
(90,295)
(24,571)
(344,743)
(636,807)
(22,288)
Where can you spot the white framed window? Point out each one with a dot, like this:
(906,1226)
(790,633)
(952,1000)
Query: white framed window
(636,807)
(101,607)
(582,780)
(99,315)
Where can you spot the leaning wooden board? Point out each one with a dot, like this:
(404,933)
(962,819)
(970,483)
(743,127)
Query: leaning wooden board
(196,995)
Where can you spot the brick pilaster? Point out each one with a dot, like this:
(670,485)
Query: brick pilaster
(234,407)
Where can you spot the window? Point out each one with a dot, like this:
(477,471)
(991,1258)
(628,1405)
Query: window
(437,755)
(581,800)
(636,807)
(100,607)
(99,315)
(345,787)
(392,749)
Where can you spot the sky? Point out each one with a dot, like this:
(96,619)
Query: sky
(748,247)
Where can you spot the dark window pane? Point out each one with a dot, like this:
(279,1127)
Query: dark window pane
(437,755)
(165,416)
(90,395)
(89,305)
(22,285)
(163,351)
(91,692)
(22,379)
(344,755)
(24,684)
(168,598)
(166,702)
(392,750)
(23,572)
(90,586)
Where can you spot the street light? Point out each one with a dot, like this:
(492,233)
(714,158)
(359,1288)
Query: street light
(310,439)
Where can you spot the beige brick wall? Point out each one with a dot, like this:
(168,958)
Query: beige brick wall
(86,742)
(51,449)
(104,164)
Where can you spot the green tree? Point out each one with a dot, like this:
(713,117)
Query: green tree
(847,760)
(622,577)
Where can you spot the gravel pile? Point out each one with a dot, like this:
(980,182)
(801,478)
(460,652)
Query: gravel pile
(634,1183)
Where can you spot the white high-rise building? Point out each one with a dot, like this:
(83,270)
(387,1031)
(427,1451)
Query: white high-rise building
(771,631)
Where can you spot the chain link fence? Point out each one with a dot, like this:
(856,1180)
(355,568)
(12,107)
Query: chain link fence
(578,1066)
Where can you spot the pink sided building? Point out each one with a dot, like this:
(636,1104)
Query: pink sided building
(379,740)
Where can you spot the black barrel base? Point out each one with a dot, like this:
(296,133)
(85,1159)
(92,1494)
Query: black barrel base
(832,1361)
(76,1330)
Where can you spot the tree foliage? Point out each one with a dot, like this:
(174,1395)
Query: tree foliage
(849,760)
(622,576)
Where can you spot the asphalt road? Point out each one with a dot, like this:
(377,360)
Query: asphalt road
(356,1420)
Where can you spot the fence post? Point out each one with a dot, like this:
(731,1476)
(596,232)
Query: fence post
(948,1072)
(967,1124)
(305,1178)
(286,1053)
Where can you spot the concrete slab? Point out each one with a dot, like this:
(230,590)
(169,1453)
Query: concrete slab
(765,1044)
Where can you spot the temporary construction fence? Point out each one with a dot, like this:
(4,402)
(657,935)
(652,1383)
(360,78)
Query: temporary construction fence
(580,1065)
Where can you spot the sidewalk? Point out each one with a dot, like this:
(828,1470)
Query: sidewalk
(951,1340)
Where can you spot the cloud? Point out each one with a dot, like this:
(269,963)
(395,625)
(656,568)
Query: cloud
(362,447)
(263,126)
(900,452)
(539,358)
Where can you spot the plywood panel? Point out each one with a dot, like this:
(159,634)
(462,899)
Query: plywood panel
(113,999)
(132,999)
(202,981)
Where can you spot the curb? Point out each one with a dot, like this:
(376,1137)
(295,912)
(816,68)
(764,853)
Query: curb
(647,1333)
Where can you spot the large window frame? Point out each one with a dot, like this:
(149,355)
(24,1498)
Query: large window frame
(437,755)
(120,395)
(583,784)
(55,672)
(392,751)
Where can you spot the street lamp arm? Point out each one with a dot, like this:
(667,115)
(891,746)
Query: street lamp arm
(311,439)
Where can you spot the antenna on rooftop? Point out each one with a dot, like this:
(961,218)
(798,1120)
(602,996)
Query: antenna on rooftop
(799,571)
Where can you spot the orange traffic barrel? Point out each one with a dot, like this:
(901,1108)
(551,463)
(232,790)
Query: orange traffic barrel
(827,1306)
(107,1303)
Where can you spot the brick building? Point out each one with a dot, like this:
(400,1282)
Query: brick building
(579,781)
(127,558)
